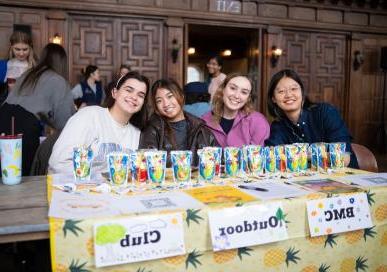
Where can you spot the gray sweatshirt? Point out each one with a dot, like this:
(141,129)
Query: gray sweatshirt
(51,97)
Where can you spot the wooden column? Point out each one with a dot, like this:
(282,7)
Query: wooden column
(175,49)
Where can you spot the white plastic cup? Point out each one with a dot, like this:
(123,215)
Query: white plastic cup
(11,159)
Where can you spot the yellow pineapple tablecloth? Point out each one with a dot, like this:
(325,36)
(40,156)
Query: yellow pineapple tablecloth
(362,250)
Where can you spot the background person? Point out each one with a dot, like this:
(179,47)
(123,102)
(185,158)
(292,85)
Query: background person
(197,98)
(233,120)
(124,69)
(300,121)
(89,91)
(44,90)
(21,58)
(214,67)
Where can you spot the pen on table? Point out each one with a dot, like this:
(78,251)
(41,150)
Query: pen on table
(252,188)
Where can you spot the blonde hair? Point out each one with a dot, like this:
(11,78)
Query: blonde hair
(22,37)
(217,100)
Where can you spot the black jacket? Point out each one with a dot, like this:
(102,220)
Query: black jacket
(25,123)
(199,135)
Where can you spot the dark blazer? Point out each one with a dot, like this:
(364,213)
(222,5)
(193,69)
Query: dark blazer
(154,135)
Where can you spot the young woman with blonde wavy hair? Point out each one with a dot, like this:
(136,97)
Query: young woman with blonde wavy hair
(233,120)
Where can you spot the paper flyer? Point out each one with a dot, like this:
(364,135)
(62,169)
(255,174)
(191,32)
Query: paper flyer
(219,194)
(272,189)
(327,186)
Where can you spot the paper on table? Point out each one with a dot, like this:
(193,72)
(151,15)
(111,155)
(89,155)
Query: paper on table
(85,205)
(215,195)
(367,180)
(81,206)
(158,202)
(327,186)
(274,190)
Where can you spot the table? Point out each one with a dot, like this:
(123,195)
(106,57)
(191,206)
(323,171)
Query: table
(23,210)
(362,250)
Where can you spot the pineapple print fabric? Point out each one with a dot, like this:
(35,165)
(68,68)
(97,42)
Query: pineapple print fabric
(362,250)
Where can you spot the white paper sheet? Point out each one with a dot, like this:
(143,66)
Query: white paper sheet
(272,189)
(85,205)
(367,180)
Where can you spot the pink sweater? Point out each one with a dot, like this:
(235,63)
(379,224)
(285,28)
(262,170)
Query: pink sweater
(247,129)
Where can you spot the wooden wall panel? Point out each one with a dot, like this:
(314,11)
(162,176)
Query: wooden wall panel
(109,42)
(366,87)
(320,61)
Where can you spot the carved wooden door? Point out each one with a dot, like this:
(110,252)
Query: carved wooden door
(320,60)
(108,42)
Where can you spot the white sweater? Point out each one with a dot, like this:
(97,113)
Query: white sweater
(92,125)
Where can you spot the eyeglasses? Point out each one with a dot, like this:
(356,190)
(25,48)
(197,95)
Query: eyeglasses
(290,90)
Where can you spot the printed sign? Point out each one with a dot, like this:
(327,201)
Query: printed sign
(338,214)
(138,239)
(247,226)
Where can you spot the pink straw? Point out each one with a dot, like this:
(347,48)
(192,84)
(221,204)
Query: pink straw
(13,125)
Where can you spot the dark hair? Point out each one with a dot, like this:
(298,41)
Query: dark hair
(53,58)
(124,66)
(88,71)
(273,108)
(139,118)
(218,59)
(177,92)
(191,98)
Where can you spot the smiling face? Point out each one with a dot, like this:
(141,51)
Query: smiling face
(21,51)
(213,67)
(129,98)
(168,106)
(288,96)
(236,93)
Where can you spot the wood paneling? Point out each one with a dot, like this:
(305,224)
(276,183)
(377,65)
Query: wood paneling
(366,91)
(319,59)
(108,42)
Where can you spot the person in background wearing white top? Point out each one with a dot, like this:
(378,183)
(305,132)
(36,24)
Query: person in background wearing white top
(21,58)
(114,128)
(214,66)
(89,91)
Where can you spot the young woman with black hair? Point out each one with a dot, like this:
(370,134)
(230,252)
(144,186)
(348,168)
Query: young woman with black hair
(300,121)
(171,128)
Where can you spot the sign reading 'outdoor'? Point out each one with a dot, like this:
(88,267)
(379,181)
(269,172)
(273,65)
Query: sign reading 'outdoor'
(338,214)
(247,226)
(138,239)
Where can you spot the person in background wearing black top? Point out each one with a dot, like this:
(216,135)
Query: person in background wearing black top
(89,91)
(197,98)
(25,123)
(171,128)
(300,121)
